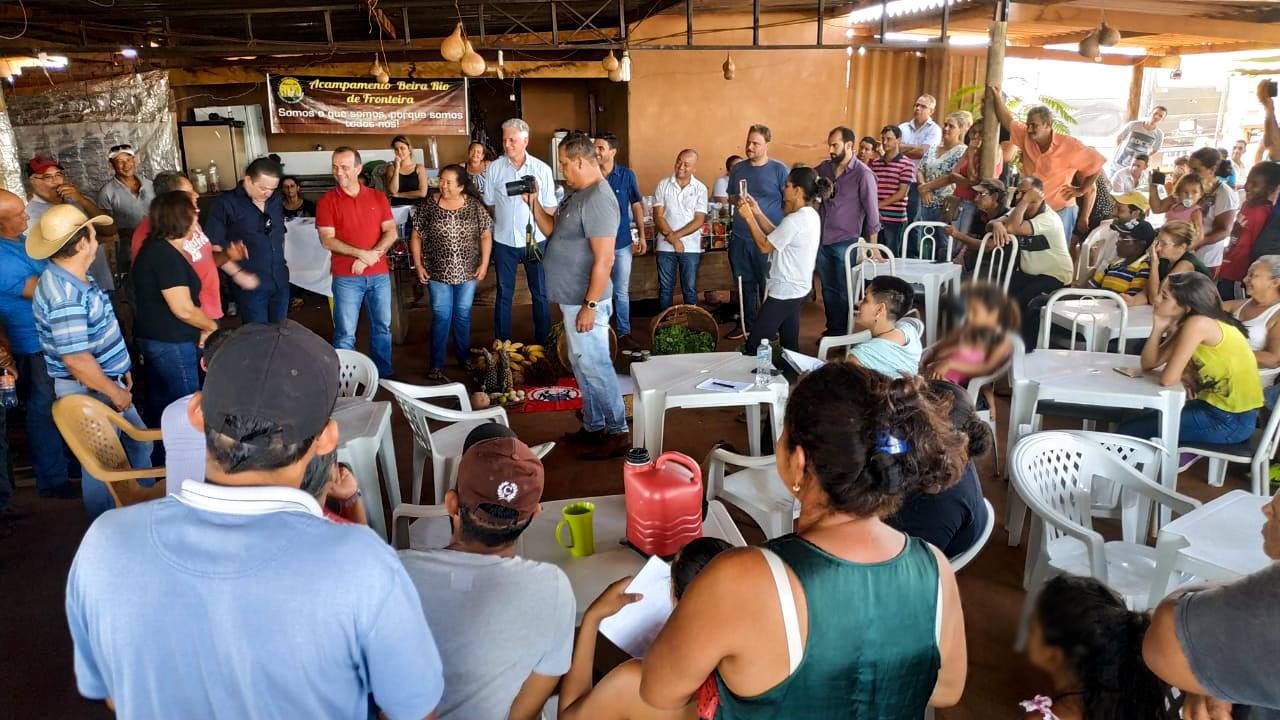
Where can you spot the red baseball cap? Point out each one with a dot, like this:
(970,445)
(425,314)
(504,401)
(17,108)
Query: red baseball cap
(38,164)
(499,469)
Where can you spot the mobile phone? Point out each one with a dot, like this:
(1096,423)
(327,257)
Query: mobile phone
(1129,372)
(1272,87)
(742,188)
(1158,176)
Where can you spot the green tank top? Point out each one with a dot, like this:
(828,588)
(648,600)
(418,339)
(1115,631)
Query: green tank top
(871,650)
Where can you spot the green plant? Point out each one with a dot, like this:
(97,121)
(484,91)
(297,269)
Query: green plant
(970,98)
(679,340)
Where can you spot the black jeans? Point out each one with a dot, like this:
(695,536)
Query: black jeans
(777,316)
(1025,289)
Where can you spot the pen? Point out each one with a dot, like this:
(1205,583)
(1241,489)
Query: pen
(720,384)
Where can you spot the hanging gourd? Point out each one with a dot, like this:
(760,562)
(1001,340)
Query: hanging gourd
(454,46)
(472,64)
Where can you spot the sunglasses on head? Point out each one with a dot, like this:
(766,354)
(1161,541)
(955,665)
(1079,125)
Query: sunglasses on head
(118,148)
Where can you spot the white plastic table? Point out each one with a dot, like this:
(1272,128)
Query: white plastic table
(1221,540)
(934,276)
(1099,322)
(1089,378)
(589,575)
(669,381)
(364,442)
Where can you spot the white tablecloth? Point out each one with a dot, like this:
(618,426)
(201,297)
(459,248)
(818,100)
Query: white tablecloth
(307,258)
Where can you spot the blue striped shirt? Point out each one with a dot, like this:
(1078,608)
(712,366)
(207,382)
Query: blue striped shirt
(76,317)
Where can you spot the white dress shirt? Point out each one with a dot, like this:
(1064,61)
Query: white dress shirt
(679,206)
(511,215)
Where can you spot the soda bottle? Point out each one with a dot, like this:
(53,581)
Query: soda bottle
(8,389)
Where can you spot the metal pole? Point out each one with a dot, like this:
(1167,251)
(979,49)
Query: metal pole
(822,11)
(555,25)
(480,14)
(404,18)
(946,19)
(755,23)
(688,22)
(884,20)
(622,20)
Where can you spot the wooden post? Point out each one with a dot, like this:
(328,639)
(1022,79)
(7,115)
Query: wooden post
(1135,93)
(995,76)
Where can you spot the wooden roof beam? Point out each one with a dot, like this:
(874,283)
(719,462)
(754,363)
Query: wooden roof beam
(1150,23)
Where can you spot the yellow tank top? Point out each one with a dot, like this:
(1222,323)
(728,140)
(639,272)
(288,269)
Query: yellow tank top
(1228,372)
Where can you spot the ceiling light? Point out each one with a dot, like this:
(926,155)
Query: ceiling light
(129,54)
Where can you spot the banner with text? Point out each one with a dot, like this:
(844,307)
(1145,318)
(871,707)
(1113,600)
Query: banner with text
(309,104)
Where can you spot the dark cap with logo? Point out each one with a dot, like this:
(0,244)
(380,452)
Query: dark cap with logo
(283,374)
(1139,230)
(497,468)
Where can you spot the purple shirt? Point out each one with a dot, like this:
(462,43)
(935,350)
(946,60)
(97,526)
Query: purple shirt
(851,211)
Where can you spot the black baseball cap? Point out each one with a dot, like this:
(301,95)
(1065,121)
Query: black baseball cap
(283,374)
(1139,230)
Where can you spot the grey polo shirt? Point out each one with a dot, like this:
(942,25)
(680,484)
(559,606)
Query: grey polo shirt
(584,214)
(123,206)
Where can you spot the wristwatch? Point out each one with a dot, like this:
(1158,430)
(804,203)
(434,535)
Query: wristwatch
(590,303)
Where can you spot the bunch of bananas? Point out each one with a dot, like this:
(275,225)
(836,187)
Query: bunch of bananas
(518,354)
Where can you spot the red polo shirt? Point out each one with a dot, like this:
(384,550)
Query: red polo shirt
(356,221)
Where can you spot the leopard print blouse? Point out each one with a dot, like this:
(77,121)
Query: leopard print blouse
(451,239)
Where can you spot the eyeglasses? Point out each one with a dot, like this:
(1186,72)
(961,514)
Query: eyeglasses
(48,178)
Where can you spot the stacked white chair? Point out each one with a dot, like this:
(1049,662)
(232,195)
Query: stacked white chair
(756,489)
(357,375)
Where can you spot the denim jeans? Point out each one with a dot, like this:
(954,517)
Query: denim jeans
(602,407)
(965,219)
(262,305)
(1069,215)
(44,442)
(752,266)
(171,371)
(891,236)
(450,311)
(835,293)
(373,292)
(506,258)
(930,214)
(1200,422)
(687,263)
(97,499)
(621,276)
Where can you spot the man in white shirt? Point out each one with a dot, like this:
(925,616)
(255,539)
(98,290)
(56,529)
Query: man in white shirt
(679,210)
(918,134)
(504,622)
(517,240)
(1127,179)
(1140,136)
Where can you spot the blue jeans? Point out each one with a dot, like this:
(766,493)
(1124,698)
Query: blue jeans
(965,219)
(1200,423)
(262,305)
(602,407)
(450,310)
(688,265)
(1069,215)
(752,266)
(97,499)
(48,452)
(930,214)
(506,258)
(373,292)
(172,371)
(835,293)
(621,277)
(891,236)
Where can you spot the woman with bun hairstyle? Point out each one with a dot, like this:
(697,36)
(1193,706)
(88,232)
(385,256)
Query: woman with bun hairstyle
(793,251)
(846,617)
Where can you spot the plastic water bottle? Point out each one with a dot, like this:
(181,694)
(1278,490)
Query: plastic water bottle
(8,389)
(764,364)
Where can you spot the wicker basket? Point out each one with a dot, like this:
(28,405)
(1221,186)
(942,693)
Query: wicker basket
(690,316)
(562,349)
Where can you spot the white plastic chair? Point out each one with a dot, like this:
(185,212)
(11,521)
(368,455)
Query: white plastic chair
(1102,329)
(857,275)
(443,444)
(1092,255)
(1257,451)
(831,342)
(756,489)
(928,230)
(357,375)
(1054,473)
(958,562)
(1002,261)
(978,385)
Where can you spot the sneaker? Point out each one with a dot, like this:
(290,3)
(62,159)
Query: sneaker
(65,491)
(626,343)
(583,436)
(609,446)
(736,334)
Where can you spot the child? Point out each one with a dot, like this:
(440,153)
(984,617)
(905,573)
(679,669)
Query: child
(1183,204)
(1091,647)
(1260,188)
(617,695)
(1171,253)
(981,345)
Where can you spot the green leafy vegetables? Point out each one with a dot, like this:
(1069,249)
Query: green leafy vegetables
(678,339)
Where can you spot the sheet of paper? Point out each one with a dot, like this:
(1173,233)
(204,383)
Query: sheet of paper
(801,362)
(634,627)
(725,386)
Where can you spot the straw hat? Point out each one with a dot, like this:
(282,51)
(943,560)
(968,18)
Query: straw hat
(56,227)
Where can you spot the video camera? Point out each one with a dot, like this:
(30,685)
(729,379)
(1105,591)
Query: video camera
(524,186)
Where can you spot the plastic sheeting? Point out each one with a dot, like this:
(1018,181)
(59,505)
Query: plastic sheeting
(10,166)
(79,122)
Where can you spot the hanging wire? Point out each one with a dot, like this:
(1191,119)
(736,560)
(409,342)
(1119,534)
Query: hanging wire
(24,24)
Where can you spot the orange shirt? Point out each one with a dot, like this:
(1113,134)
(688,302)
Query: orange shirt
(1057,166)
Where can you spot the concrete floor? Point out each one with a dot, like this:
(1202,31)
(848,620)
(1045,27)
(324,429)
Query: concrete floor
(36,550)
